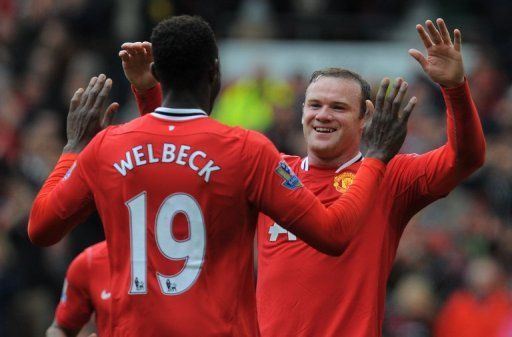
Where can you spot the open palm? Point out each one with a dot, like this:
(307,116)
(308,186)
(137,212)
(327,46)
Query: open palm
(443,63)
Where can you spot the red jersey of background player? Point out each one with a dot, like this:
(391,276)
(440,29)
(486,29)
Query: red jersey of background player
(86,290)
(179,195)
(302,292)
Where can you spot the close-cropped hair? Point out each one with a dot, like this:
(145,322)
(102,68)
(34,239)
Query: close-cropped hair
(184,50)
(346,74)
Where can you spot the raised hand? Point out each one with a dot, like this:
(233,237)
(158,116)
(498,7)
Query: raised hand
(385,132)
(88,113)
(137,58)
(443,63)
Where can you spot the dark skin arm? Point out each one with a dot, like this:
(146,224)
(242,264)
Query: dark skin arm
(88,113)
(385,132)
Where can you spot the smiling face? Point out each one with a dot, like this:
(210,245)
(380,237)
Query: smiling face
(332,120)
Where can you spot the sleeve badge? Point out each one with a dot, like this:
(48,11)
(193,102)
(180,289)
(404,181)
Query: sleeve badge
(291,181)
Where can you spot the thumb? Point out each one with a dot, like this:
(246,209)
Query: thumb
(109,114)
(418,56)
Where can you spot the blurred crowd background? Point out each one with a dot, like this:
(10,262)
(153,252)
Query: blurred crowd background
(453,271)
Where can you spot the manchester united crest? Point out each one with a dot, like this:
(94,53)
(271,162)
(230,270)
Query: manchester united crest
(343,181)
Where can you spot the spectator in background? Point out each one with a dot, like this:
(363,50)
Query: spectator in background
(480,310)
(250,102)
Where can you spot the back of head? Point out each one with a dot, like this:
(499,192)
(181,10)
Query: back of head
(184,51)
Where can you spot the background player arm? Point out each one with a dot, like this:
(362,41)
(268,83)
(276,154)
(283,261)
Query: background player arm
(56,331)
(274,188)
(136,60)
(464,151)
(75,307)
(65,198)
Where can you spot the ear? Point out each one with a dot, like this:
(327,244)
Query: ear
(302,118)
(368,112)
(153,71)
(215,71)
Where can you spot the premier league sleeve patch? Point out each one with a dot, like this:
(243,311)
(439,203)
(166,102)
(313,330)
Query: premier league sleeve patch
(291,181)
(68,173)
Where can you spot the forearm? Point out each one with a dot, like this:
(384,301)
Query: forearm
(329,230)
(56,331)
(46,225)
(148,100)
(465,134)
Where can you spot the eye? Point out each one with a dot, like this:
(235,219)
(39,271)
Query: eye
(338,108)
(314,105)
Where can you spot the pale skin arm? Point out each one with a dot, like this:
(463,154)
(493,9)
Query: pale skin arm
(137,58)
(443,63)
(56,331)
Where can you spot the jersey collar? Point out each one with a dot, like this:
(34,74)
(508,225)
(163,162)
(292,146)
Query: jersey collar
(304,165)
(175,114)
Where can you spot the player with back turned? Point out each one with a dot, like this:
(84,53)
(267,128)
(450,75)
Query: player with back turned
(86,291)
(179,194)
(302,292)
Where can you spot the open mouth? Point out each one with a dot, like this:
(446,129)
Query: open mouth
(324,130)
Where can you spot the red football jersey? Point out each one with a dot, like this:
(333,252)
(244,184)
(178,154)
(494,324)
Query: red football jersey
(302,292)
(86,290)
(179,196)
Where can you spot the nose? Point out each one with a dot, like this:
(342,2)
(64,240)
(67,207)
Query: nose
(323,114)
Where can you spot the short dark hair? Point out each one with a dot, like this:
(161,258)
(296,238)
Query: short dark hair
(184,50)
(346,74)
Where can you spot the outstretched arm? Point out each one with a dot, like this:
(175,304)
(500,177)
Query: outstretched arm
(465,148)
(49,221)
(136,60)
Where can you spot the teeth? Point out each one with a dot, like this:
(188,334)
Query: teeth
(324,130)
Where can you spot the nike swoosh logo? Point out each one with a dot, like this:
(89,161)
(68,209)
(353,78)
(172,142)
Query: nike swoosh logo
(105,295)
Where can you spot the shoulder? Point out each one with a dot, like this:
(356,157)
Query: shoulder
(125,127)
(399,162)
(79,268)
(98,250)
(291,160)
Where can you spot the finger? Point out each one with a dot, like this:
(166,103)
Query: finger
(95,90)
(102,97)
(109,114)
(445,34)
(434,33)
(89,87)
(140,48)
(391,96)
(126,45)
(381,94)
(427,42)
(418,56)
(124,55)
(147,47)
(397,102)
(406,113)
(457,38)
(75,100)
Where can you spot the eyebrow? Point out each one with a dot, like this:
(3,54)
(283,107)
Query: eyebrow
(316,100)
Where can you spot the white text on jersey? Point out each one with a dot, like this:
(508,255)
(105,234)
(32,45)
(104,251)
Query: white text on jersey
(143,155)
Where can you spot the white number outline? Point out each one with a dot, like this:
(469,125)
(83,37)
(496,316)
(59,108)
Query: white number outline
(161,278)
(195,222)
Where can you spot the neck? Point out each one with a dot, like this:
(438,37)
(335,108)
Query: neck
(318,160)
(197,98)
